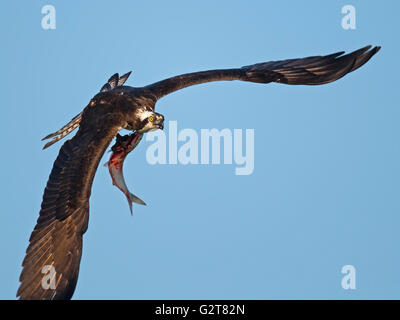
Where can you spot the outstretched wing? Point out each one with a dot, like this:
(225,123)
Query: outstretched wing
(51,265)
(308,71)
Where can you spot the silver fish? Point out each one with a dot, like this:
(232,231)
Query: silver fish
(120,150)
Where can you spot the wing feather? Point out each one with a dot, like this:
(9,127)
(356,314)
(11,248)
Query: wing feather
(57,237)
(314,70)
(56,240)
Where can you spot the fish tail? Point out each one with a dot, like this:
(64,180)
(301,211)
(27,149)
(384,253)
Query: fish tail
(132,198)
(130,205)
(137,199)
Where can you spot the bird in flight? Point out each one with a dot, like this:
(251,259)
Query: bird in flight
(51,265)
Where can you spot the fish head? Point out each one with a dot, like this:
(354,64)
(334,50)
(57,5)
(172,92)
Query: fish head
(126,143)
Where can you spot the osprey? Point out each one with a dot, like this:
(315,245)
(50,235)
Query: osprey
(56,241)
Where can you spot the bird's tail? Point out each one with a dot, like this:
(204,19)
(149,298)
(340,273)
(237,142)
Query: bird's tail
(115,81)
(112,83)
(65,130)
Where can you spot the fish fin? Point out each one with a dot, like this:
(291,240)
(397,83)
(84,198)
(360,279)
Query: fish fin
(127,194)
(137,199)
(130,205)
(132,198)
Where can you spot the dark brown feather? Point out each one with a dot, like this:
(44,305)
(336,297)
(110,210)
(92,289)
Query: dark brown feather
(307,71)
(57,237)
(64,215)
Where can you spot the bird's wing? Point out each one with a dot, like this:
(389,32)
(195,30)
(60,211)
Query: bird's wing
(308,71)
(51,265)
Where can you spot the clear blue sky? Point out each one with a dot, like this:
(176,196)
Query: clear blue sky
(326,183)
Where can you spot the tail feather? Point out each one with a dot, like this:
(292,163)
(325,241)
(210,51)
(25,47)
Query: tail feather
(65,130)
(114,82)
(123,78)
(105,88)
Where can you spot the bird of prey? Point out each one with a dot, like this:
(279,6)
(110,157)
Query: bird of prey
(51,265)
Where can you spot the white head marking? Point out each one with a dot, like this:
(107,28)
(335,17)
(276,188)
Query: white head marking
(145,114)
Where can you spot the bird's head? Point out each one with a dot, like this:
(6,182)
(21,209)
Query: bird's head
(150,121)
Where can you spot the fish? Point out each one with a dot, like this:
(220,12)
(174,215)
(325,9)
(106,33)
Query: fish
(122,147)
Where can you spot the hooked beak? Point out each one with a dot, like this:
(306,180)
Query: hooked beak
(160,122)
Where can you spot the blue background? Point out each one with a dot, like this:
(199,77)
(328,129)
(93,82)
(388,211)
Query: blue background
(325,188)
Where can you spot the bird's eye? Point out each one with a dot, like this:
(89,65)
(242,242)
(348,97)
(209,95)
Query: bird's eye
(151,118)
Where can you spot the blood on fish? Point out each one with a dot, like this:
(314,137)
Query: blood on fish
(121,148)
